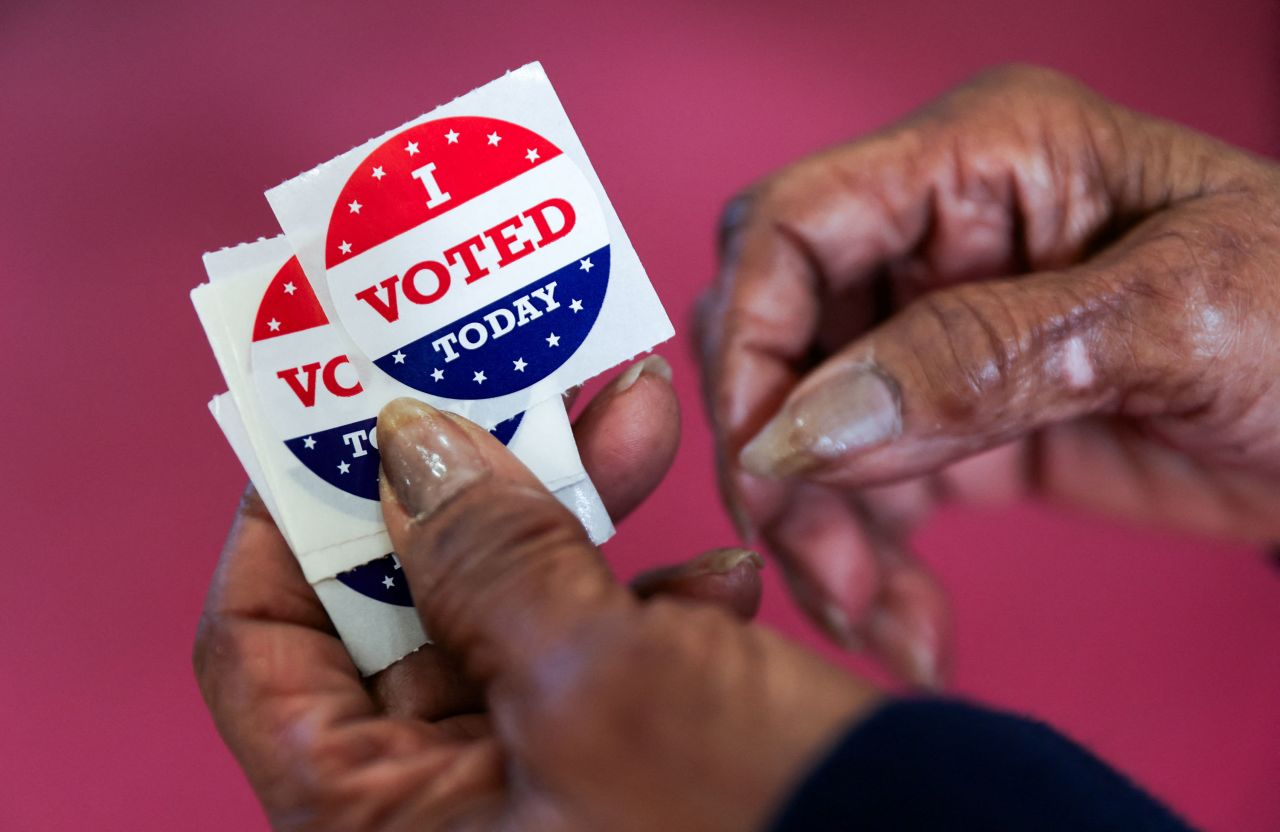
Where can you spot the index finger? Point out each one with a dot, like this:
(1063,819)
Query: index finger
(786,250)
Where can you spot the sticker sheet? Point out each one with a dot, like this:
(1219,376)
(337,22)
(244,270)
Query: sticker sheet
(472,254)
(469,258)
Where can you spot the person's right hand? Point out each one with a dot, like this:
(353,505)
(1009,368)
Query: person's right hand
(1023,289)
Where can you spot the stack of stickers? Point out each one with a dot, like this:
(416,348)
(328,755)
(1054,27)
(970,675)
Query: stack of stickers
(469,258)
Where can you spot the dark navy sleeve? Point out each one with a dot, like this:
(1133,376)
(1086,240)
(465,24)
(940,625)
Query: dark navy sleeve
(934,764)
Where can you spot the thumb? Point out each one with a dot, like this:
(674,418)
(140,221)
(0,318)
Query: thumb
(501,573)
(970,367)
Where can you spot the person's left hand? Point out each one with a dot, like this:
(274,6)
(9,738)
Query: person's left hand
(552,699)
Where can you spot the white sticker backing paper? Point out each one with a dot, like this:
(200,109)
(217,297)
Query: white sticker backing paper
(469,258)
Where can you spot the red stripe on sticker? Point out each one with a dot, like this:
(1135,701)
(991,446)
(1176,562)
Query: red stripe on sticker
(288,305)
(425,171)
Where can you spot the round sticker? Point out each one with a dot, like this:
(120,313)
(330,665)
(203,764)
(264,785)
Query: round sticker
(468,257)
(320,396)
(381,579)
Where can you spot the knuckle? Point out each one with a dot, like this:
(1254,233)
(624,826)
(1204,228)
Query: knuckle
(211,642)
(1007,91)
(736,215)
(967,343)
(1191,296)
(1026,77)
(223,659)
(494,518)
(778,199)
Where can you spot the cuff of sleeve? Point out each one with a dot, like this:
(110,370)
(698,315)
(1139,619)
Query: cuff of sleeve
(931,764)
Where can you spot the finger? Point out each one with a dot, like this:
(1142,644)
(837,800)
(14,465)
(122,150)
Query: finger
(267,663)
(828,560)
(960,191)
(726,577)
(500,571)
(971,367)
(1113,467)
(909,624)
(628,435)
(428,684)
(862,587)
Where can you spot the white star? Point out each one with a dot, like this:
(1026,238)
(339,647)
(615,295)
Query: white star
(532,155)
(479,376)
(344,467)
(411,148)
(576,305)
(494,138)
(585,264)
(309,442)
(289,288)
(452,136)
(274,325)
(398,356)
(437,374)
(345,248)
(355,206)
(388,582)
(553,340)
(378,173)
(520,365)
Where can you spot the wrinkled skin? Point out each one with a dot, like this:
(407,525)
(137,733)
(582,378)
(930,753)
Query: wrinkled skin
(1022,290)
(553,698)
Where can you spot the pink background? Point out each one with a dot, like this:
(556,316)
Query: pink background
(136,138)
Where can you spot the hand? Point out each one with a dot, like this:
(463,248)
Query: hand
(1022,290)
(552,699)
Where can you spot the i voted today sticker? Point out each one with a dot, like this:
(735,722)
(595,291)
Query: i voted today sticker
(316,394)
(467,257)
(472,254)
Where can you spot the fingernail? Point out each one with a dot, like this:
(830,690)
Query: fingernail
(837,624)
(716,562)
(724,561)
(856,410)
(426,457)
(654,364)
(826,612)
(913,653)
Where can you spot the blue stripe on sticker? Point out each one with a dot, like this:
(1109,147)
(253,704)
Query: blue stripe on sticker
(346,457)
(381,579)
(513,342)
